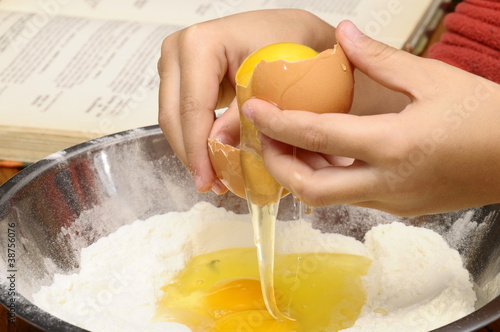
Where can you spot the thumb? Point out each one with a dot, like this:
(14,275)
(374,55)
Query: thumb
(393,68)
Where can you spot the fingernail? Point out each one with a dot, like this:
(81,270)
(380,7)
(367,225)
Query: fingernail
(247,111)
(218,187)
(351,31)
(223,138)
(198,183)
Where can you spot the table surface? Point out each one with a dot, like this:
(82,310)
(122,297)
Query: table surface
(22,326)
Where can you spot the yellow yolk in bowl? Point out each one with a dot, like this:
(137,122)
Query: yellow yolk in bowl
(220,291)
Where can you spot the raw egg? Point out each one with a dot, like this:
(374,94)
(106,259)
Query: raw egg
(220,291)
(293,77)
(225,160)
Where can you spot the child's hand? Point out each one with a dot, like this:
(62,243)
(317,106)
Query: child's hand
(441,153)
(197,68)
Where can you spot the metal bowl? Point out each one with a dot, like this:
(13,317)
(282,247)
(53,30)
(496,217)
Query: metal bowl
(67,201)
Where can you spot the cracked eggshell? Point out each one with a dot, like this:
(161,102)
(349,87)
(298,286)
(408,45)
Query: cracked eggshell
(225,161)
(322,84)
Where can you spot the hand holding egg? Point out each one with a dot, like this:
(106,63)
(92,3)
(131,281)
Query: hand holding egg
(198,65)
(414,162)
(291,76)
(197,69)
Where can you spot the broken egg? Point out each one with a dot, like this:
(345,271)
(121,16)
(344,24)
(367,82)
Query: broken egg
(225,160)
(220,291)
(293,77)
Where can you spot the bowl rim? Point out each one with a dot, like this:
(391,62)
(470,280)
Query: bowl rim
(38,167)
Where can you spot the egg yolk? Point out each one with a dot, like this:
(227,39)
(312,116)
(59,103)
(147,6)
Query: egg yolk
(272,52)
(220,291)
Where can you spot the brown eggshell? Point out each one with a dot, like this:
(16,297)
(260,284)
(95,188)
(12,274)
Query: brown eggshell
(323,84)
(225,161)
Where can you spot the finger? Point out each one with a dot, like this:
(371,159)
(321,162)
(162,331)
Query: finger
(226,94)
(227,126)
(329,133)
(200,77)
(395,69)
(312,159)
(338,160)
(321,186)
(169,115)
(227,130)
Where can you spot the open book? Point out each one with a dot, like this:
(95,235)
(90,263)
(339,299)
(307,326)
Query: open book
(73,70)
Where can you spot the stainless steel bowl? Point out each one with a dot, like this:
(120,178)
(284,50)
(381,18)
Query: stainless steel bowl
(67,201)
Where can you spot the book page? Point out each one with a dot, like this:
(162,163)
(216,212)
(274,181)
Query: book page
(390,21)
(70,73)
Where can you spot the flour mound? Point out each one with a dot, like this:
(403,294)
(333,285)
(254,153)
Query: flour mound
(415,283)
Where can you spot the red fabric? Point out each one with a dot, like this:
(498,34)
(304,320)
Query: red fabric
(472,40)
(492,4)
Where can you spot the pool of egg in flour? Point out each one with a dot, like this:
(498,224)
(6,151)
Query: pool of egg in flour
(220,291)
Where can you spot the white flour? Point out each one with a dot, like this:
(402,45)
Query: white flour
(415,283)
